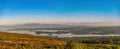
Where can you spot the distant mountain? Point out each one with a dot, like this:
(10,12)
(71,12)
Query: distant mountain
(34,25)
(67,25)
(38,25)
(3,28)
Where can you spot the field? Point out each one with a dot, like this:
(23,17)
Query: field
(24,41)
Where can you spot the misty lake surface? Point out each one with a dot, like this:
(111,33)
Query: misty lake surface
(62,35)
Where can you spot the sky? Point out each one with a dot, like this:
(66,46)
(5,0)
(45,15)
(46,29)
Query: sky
(59,11)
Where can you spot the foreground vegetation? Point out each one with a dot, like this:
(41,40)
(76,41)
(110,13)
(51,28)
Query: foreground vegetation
(24,41)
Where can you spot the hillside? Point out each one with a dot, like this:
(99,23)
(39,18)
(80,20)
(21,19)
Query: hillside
(22,41)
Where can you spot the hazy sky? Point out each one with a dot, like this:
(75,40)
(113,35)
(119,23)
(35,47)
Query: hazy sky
(56,11)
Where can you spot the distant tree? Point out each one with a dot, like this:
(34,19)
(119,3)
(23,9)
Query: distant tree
(72,45)
(107,47)
(116,47)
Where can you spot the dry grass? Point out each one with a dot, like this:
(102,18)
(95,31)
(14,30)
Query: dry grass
(24,41)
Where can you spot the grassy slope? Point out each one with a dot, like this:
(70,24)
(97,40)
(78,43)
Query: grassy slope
(24,41)
(14,41)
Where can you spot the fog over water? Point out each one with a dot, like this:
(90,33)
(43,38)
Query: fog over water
(62,35)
